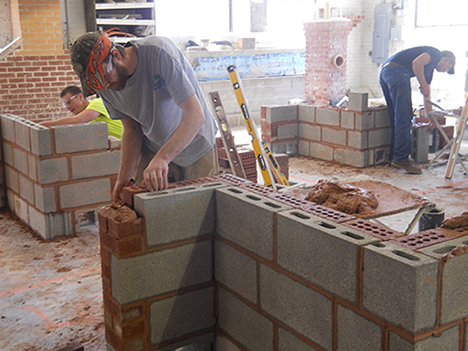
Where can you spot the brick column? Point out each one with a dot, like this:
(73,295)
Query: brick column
(326,53)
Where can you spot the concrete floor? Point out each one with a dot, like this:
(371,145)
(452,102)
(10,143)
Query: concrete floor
(51,293)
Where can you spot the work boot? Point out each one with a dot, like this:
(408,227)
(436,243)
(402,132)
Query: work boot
(408,165)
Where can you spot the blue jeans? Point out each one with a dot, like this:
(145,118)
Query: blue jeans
(396,86)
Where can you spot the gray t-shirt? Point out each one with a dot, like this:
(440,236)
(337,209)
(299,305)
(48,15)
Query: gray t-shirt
(162,80)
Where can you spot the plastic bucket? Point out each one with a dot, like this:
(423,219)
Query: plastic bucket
(431,219)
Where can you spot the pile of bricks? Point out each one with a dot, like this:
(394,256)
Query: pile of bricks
(355,138)
(56,178)
(246,155)
(239,264)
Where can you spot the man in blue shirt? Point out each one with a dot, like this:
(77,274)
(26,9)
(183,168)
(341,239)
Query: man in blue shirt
(395,77)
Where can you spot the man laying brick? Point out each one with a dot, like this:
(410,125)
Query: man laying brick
(169,130)
(85,111)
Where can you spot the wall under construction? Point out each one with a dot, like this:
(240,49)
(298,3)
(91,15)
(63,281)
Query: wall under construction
(227,260)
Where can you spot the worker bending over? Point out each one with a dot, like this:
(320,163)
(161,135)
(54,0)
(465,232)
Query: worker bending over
(395,77)
(85,111)
(152,89)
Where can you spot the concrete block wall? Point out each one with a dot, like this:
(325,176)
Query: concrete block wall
(355,138)
(55,177)
(253,269)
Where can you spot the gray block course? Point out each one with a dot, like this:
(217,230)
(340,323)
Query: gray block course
(334,136)
(52,170)
(44,199)
(347,119)
(22,134)
(179,315)
(288,131)
(8,127)
(303,148)
(26,189)
(320,251)
(32,167)
(328,116)
(306,113)
(8,154)
(161,271)
(247,219)
(41,140)
(188,213)
(323,152)
(236,270)
(364,120)
(299,307)
(354,157)
(355,332)
(21,208)
(20,160)
(50,225)
(12,179)
(395,276)
(310,132)
(81,137)
(380,137)
(85,193)
(449,340)
(454,278)
(281,113)
(95,165)
(247,326)
(288,341)
(357,140)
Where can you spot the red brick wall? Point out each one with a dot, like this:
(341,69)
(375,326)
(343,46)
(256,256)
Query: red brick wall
(33,76)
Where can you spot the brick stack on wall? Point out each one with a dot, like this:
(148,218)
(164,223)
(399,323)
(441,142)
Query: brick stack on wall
(55,175)
(254,269)
(355,138)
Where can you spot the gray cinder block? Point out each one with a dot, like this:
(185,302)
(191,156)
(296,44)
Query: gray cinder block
(20,160)
(188,212)
(310,132)
(449,340)
(8,127)
(41,140)
(161,271)
(281,113)
(81,137)
(52,170)
(247,326)
(224,344)
(85,193)
(287,342)
(247,219)
(50,225)
(454,277)
(306,113)
(358,101)
(354,332)
(32,167)
(288,131)
(95,165)
(26,189)
(8,154)
(400,286)
(236,270)
(178,315)
(298,306)
(22,134)
(44,199)
(364,120)
(321,251)
(328,116)
(12,181)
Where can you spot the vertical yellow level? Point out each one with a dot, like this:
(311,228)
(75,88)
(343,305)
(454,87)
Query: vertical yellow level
(249,123)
